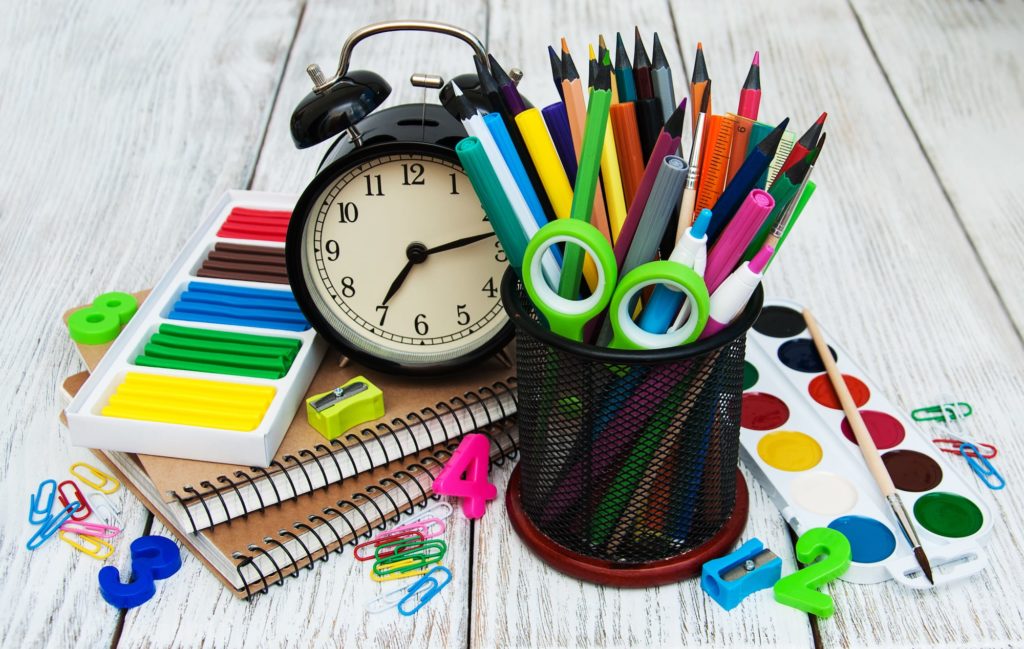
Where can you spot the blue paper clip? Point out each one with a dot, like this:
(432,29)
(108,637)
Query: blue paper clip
(50,527)
(730,579)
(982,467)
(39,511)
(421,598)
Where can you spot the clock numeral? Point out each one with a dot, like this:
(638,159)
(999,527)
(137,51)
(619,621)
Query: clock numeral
(463,315)
(420,324)
(384,315)
(489,288)
(348,212)
(332,249)
(348,287)
(485,217)
(417,170)
(455,189)
(370,185)
(500,255)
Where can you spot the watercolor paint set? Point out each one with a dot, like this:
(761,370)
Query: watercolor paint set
(219,356)
(796,440)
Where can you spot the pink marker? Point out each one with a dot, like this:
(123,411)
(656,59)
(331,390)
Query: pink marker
(732,296)
(727,251)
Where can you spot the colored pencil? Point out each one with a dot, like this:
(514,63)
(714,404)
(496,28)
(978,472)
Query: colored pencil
(796,206)
(592,67)
(806,142)
(623,71)
(602,50)
(699,84)
(611,178)
(509,94)
(661,78)
(641,68)
(627,146)
(556,71)
(489,87)
(557,121)
(784,190)
(737,190)
(750,94)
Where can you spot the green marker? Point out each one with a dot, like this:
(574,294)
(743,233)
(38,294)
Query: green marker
(493,199)
(587,178)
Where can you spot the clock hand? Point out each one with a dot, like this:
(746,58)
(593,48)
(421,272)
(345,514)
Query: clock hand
(459,243)
(397,284)
(418,254)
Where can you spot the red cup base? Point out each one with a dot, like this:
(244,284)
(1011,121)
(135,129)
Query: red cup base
(634,575)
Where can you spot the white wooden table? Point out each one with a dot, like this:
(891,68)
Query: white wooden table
(120,122)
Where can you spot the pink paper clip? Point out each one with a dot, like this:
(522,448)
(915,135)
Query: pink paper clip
(429,528)
(84,510)
(85,528)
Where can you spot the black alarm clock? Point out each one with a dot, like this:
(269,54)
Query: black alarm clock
(389,253)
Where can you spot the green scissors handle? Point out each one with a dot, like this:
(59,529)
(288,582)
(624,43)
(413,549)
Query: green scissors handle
(568,317)
(628,335)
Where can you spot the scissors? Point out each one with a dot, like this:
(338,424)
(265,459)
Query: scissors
(568,317)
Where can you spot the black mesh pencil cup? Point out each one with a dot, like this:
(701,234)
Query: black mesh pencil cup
(628,472)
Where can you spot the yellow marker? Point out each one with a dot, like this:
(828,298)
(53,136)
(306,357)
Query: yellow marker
(614,197)
(552,174)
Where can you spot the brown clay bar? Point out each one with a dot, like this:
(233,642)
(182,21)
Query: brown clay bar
(245,263)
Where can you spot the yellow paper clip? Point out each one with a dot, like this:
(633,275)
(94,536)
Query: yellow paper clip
(414,572)
(94,547)
(109,485)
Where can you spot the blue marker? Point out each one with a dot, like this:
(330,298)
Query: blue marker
(690,251)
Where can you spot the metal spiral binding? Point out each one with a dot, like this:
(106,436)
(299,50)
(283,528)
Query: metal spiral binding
(343,511)
(338,446)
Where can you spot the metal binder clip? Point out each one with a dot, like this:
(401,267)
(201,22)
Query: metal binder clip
(982,467)
(730,579)
(946,411)
(424,590)
(41,502)
(334,412)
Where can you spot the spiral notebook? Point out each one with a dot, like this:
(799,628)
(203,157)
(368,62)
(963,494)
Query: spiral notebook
(421,413)
(264,547)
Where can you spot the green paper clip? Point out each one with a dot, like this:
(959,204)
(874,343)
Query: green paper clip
(334,412)
(943,412)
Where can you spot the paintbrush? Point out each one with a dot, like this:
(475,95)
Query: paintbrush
(867,445)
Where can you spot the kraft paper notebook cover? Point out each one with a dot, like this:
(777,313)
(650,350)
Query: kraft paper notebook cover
(421,412)
(264,547)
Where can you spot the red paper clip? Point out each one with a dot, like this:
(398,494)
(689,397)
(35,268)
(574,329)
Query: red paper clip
(947,445)
(385,538)
(84,511)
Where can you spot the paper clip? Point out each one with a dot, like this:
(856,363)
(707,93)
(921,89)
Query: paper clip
(85,528)
(428,552)
(99,502)
(109,485)
(950,445)
(84,511)
(381,539)
(94,547)
(946,411)
(401,574)
(38,511)
(50,527)
(422,597)
(429,528)
(982,467)
(386,601)
(442,509)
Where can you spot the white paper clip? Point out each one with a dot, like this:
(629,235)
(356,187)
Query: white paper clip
(99,500)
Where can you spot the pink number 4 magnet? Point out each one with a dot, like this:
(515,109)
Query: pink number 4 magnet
(471,459)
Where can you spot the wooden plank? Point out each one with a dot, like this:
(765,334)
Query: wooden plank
(120,122)
(963,94)
(881,258)
(547,608)
(325,606)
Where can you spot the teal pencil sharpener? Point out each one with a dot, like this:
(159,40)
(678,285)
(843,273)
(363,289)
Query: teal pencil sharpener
(336,411)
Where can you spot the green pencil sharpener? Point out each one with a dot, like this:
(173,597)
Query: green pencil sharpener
(336,411)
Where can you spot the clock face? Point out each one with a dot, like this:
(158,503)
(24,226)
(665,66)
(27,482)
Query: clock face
(400,262)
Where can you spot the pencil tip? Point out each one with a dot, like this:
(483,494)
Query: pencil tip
(600,42)
(590,50)
(757,58)
(636,32)
(565,45)
(700,68)
(770,143)
(674,124)
(640,58)
(621,56)
(658,58)
(700,46)
(822,118)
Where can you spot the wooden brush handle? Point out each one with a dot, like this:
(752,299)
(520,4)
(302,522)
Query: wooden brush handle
(867,444)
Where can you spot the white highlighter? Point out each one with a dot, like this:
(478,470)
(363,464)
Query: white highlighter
(732,296)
